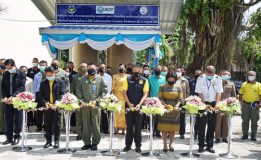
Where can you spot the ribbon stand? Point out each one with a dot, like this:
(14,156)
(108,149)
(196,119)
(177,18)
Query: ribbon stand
(151,152)
(229,154)
(190,154)
(67,118)
(23,147)
(110,152)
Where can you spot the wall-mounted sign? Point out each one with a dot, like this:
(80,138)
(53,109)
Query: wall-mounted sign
(89,14)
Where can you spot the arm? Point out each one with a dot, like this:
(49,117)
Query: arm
(104,88)
(198,89)
(72,86)
(62,90)
(79,94)
(3,87)
(187,89)
(41,99)
(234,93)
(113,84)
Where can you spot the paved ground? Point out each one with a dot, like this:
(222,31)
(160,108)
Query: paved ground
(244,149)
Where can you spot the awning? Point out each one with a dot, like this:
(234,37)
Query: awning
(65,37)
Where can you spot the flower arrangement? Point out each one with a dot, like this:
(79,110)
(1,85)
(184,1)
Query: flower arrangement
(194,104)
(25,101)
(110,103)
(69,102)
(229,105)
(153,105)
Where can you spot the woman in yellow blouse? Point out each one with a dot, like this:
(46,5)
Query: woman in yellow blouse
(169,94)
(118,79)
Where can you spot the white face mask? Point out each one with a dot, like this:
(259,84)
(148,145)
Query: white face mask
(251,78)
(11,70)
(35,64)
(179,74)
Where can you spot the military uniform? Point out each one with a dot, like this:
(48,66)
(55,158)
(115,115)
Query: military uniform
(78,114)
(221,130)
(90,90)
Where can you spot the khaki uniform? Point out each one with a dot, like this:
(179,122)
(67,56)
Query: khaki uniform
(221,130)
(89,90)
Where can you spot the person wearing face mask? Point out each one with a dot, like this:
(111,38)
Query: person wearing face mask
(129,68)
(2,114)
(164,71)
(89,89)
(108,81)
(183,82)
(82,72)
(229,90)
(155,81)
(51,90)
(118,79)
(135,92)
(38,78)
(192,87)
(13,83)
(168,124)
(250,98)
(146,71)
(72,72)
(34,70)
(28,88)
(61,74)
(209,88)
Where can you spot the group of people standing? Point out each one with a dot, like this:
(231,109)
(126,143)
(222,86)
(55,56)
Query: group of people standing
(133,84)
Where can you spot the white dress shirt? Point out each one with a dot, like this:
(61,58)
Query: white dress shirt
(209,88)
(108,81)
(29,85)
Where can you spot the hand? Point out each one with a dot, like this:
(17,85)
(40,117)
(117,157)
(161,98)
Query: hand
(131,105)
(47,105)
(8,100)
(137,107)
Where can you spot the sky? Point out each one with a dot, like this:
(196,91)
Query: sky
(21,40)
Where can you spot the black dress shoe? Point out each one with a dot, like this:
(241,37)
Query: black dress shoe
(244,137)
(86,147)
(211,150)
(224,140)
(79,138)
(138,150)
(16,141)
(38,130)
(8,141)
(253,138)
(94,147)
(56,145)
(158,135)
(182,137)
(201,150)
(126,149)
(171,149)
(217,140)
(47,145)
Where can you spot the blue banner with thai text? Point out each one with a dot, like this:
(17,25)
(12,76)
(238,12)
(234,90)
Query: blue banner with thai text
(89,14)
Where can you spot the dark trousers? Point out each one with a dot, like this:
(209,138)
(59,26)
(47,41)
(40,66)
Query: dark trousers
(196,127)
(155,122)
(10,114)
(73,119)
(30,118)
(39,119)
(104,122)
(52,121)
(133,121)
(210,121)
(182,123)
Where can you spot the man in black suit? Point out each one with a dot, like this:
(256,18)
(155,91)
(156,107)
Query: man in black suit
(13,83)
(51,89)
